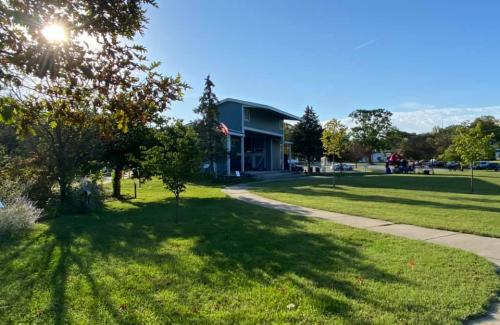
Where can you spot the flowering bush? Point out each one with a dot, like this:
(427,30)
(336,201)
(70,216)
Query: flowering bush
(19,214)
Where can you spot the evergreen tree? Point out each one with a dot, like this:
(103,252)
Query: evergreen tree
(306,137)
(211,139)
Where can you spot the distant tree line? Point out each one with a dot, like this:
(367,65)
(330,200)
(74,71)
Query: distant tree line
(373,132)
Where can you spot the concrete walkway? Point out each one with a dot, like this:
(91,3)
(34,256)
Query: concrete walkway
(483,246)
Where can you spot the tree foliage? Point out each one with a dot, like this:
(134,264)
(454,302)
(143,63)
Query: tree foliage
(488,124)
(471,145)
(335,138)
(96,84)
(25,51)
(176,159)
(418,147)
(306,136)
(371,128)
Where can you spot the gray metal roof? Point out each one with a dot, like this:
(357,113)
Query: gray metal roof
(285,115)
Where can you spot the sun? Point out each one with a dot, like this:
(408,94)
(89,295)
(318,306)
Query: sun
(54,33)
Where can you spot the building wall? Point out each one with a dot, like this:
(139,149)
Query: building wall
(276,159)
(264,120)
(230,115)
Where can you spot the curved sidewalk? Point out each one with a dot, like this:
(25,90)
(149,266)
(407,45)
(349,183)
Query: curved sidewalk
(483,246)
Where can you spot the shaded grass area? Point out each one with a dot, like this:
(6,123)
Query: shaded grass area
(230,262)
(437,201)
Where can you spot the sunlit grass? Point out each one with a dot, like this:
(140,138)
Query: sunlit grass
(230,262)
(438,201)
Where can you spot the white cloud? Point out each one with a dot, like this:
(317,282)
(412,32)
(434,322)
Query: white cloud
(424,117)
(365,44)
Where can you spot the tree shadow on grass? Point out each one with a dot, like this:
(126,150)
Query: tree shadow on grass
(260,245)
(429,183)
(339,193)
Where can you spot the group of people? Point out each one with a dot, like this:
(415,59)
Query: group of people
(401,165)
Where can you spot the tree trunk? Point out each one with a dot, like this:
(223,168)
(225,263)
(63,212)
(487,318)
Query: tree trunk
(333,170)
(176,208)
(63,190)
(117,182)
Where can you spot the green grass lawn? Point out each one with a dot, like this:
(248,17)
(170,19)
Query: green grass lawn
(230,262)
(437,201)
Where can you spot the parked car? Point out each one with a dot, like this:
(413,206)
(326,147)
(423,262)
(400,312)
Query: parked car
(452,165)
(494,166)
(344,167)
(436,163)
(481,165)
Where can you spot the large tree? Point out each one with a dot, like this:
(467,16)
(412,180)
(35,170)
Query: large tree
(211,139)
(306,137)
(471,145)
(441,139)
(355,152)
(175,159)
(488,124)
(371,128)
(418,147)
(65,147)
(67,61)
(125,150)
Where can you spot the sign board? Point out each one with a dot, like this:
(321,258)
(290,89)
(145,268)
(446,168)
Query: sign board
(205,166)
(237,173)
(2,206)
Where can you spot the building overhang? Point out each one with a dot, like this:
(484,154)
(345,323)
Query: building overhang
(276,111)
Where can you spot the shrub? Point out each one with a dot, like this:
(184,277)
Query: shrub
(20,214)
(11,189)
(83,197)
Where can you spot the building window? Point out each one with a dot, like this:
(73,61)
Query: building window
(280,124)
(247,115)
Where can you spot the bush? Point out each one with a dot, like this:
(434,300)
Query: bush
(83,197)
(11,189)
(20,214)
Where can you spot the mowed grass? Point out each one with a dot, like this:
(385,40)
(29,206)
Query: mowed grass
(440,201)
(230,262)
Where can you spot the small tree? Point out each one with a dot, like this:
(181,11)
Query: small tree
(335,141)
(306,137)
(372,128)
(176,159)
(471,145)
(211,139)
(335,138)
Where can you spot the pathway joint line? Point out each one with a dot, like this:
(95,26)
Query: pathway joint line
(436,237)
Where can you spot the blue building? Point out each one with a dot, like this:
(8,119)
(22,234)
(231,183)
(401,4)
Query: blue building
(256,139)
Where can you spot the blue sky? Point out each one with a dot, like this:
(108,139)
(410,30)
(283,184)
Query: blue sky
(429,62)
